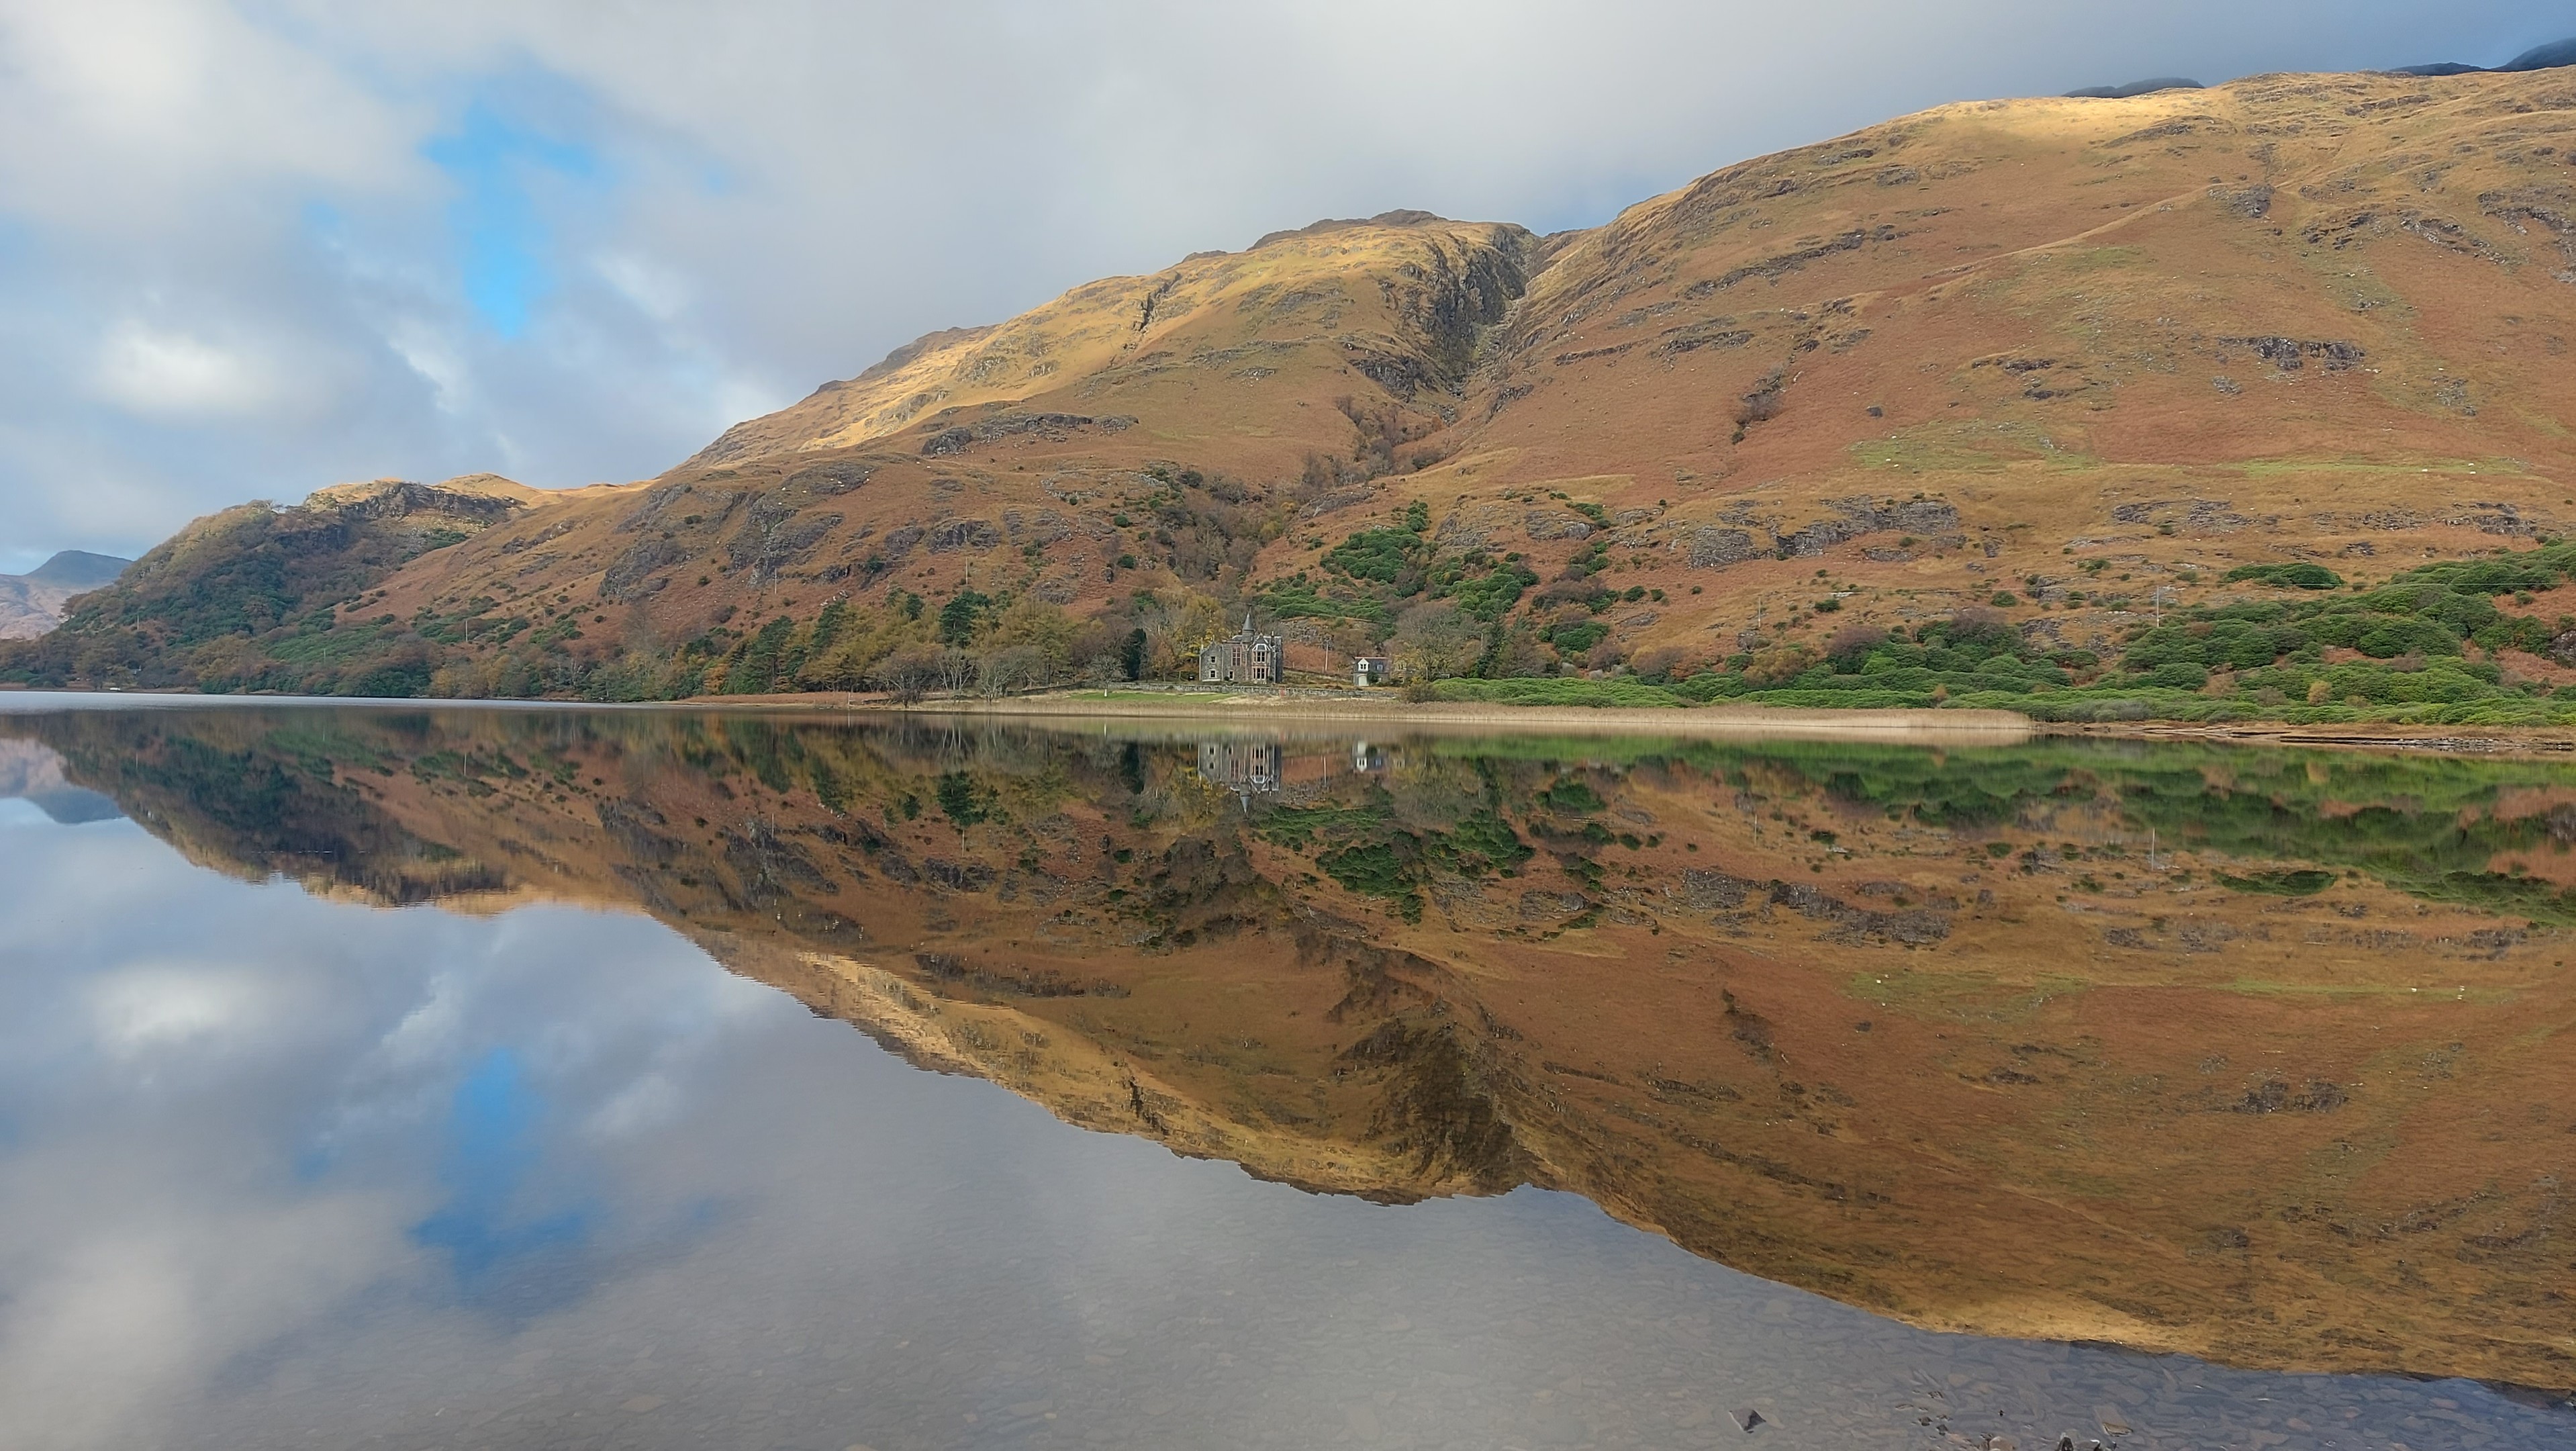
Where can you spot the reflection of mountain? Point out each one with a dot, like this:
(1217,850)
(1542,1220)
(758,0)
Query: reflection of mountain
(31,771)
(2252,1054)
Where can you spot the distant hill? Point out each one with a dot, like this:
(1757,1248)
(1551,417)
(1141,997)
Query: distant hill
(78,569)
(2134,88)
(247,591)
(2539,58)
(2036,373)
(32,603)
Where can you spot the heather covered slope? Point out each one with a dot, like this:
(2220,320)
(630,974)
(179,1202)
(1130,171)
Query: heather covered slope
(2074,362)
(1230,346)
(251,597)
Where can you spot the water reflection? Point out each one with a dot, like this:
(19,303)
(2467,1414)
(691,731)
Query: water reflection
(2247,1054)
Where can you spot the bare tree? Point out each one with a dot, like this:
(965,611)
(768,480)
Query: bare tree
(1437,640)
(957,670)
(1012,669)
(908,673)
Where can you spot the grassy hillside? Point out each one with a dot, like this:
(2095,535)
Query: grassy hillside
(252,598)
(2044,375)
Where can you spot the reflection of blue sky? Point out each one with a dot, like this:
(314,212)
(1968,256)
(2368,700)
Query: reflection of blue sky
(388,1165)
(504,260)
(486,1225)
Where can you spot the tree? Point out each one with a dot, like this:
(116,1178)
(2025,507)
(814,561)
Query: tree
(1033,623)
(962,616)
(1437,640)
(1016,667)
(1131,656)
(909,672)
(1183,622)
(1515,651)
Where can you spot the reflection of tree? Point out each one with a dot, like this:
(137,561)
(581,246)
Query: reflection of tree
(2423,824)
(1089,922)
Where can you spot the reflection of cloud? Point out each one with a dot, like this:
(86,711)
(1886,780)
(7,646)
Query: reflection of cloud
(512,1171)
(647,1103)
(181,1229)
(160,1009)
(117,1335)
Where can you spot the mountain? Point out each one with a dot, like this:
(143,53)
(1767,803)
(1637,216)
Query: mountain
(32,603)
(79,571)
(1960,406)
(2135,88)
(259,592)
(2539,58)
(1955,1040)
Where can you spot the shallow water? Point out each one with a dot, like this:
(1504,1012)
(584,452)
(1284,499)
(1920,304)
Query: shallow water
(484,1079)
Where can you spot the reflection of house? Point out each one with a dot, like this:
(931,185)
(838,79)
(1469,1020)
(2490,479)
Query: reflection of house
(1368,670)
(1247,768)
(1243,659)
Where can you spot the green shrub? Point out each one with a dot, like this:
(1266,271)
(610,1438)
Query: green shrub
(2301,575)
(1558,690)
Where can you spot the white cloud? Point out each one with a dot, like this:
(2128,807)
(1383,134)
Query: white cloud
(426,349)
(152,371)
(660,293)
(122,112)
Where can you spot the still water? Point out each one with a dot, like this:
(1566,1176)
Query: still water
(488,1079)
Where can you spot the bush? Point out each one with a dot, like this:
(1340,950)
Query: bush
(2301,575)
(1854,642)
(1563,690)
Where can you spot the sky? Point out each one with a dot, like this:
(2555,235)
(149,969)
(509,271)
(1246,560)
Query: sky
(250,249)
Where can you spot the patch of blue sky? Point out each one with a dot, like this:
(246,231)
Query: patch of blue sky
(502,240)
(325,223)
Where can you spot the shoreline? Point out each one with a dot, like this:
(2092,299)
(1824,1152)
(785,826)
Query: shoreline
(1958,727)
(1398,716)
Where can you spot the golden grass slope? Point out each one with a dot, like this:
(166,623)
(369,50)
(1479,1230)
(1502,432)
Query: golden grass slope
(1226,345)
(2293,316)
(1976,348)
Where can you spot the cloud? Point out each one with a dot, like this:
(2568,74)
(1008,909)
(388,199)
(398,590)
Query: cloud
(247,249)
(147,370)
(160,1010)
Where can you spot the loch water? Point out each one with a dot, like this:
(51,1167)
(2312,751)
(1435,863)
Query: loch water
(394,1077)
